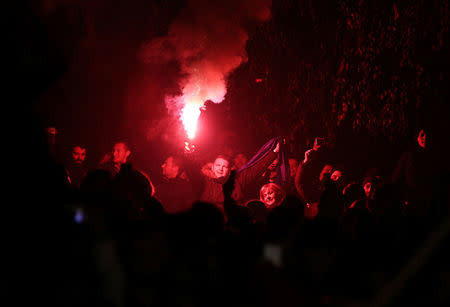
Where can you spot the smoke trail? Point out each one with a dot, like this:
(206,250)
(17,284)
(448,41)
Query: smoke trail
(208,41)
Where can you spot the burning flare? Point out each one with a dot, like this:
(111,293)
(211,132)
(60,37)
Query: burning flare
(208,42)
(189,117)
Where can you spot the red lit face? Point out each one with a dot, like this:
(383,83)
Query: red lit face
(326,170)
(120,153)
(169,168)
(368,188)
(221,168)
(78,154)
(422,139)
(336,175)
(269,198)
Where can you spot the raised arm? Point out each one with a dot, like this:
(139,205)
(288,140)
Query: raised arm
(207,170)
(298,181)
(248,175)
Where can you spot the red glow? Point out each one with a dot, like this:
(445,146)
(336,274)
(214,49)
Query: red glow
(200,87)
(189,117)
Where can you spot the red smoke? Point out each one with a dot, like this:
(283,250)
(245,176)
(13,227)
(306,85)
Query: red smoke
(208,42)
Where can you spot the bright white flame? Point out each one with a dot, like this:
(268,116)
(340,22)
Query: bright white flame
(189,117)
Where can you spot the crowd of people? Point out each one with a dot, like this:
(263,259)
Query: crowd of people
(267,230)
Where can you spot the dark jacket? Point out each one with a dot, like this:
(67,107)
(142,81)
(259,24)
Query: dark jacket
(176,195)
(414,177)
(76,173)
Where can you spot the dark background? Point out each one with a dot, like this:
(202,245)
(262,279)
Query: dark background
(365,74)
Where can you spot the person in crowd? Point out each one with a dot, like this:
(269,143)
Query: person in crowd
(293,165)
(277,172)
(76,169)
(290,186)
(331,203)
(239,161)
(120,155)
(336,175)
(310,169)
(310,193)
(268,176)
(272,195)
(414,175)
(131,188)
(220,170)
(175,191)
(368,184)
(257,210)
(352,193)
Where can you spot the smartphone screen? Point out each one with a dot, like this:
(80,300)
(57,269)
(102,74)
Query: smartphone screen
(79,216)
(273,254)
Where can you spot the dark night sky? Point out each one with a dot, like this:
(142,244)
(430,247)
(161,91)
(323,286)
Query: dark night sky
(77,66)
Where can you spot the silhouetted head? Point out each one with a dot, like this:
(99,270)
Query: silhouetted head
(206,218)
(353,192)
(257,210)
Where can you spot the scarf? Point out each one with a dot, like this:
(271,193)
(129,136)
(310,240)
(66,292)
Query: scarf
(282,169)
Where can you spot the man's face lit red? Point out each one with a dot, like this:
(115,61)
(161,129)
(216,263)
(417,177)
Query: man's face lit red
(78,154)
(120,153)
(221,168)
(422,139)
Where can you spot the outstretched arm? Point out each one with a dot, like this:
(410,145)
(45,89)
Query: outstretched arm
(250,174)
(229,204)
